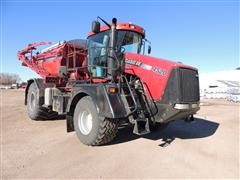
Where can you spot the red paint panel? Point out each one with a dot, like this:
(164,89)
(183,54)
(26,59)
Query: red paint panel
(52,66)
(154,72)
(123,26)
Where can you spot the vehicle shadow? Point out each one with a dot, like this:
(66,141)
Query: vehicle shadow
(200,128)
(58,118)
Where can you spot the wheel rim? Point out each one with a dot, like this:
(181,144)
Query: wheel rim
(32,101)
(85,122)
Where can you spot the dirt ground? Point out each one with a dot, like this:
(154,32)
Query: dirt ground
(206,148)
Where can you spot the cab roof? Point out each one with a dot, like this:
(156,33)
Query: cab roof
(123,26)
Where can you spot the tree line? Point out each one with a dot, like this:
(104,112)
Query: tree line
(9,78)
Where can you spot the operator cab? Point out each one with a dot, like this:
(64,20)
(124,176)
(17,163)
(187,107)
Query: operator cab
(129,38)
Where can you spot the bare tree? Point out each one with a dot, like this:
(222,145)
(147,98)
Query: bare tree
(9,78)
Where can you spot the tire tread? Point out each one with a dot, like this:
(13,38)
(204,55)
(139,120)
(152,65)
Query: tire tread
(106,133)
(40,113)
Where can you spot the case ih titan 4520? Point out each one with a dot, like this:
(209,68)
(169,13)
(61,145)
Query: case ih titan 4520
(106,80)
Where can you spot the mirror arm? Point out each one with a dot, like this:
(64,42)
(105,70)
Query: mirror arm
(149,46)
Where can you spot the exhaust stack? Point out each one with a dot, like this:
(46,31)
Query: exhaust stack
(111,61)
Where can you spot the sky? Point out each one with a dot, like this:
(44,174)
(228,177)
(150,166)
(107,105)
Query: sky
(204,34)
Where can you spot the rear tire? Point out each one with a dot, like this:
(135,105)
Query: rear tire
(90,128)
(35,111)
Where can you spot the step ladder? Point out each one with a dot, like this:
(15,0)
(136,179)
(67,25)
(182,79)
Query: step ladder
(131,101)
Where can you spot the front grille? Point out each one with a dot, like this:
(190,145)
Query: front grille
(182,86)
(189,85)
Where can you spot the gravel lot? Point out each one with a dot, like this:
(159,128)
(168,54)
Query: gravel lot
(206,148)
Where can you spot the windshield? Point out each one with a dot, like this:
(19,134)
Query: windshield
(127,41)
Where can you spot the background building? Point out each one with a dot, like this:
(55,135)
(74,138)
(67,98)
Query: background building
(221,85)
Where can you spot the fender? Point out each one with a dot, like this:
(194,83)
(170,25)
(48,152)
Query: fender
(108,105)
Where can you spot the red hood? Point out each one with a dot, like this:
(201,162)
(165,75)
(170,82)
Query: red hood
(153,71)
(156,62)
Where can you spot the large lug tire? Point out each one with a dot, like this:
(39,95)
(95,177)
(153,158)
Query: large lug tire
(90,128)
(35,111)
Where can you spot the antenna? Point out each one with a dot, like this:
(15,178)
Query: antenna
(105,22)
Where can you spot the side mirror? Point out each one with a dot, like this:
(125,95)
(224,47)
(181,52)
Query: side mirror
(95,27)
(149,49)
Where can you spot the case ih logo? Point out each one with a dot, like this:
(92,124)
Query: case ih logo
(146,66)
(133,62)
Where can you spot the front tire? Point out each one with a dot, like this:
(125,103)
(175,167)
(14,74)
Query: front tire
(90,128)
